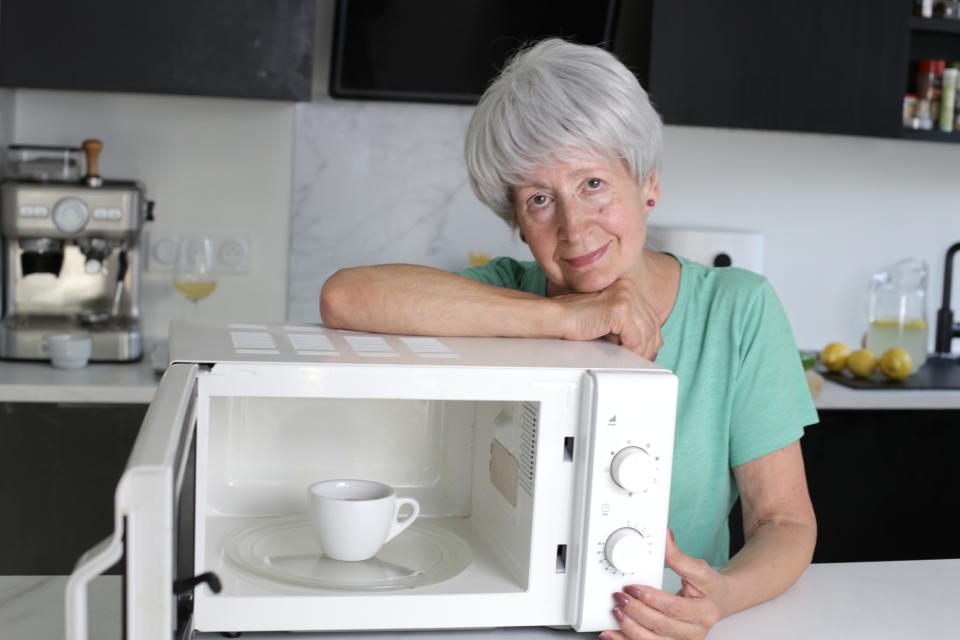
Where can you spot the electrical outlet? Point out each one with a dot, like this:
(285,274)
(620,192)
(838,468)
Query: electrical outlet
(231,251)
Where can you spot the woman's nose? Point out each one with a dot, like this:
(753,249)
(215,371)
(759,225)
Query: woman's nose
(574,220)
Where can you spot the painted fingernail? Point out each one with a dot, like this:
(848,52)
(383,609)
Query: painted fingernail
(620,599)
(634,591)
(618,614)
(606,635)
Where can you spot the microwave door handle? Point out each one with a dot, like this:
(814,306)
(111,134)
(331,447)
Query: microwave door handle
(94,562)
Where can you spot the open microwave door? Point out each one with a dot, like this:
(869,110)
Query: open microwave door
(145,507)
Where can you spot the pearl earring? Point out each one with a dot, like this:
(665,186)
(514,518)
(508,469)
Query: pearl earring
(651,202)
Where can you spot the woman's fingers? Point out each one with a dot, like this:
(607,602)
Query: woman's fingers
(675,620)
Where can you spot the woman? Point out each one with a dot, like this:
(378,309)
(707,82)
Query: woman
(564,146)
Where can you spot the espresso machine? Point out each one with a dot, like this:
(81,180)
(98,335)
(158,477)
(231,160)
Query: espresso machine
(71,258)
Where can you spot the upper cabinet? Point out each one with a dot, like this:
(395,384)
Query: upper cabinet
(793,65)
(236,48)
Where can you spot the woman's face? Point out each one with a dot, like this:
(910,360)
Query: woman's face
(584,221)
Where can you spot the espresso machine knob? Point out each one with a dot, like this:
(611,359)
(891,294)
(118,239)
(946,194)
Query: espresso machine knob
(70,215)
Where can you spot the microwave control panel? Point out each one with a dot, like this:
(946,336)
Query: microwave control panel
(624,489)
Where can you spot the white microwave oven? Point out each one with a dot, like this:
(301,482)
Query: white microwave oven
(542,470)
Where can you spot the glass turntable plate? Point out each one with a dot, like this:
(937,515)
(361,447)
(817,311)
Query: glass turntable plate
(284,550)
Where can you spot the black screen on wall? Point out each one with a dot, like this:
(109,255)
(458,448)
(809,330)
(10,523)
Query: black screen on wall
(448,50)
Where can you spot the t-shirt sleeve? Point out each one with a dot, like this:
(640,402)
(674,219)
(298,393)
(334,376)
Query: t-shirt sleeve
(500,272)
(771,402)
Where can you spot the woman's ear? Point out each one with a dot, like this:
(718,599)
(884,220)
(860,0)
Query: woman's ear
(651,186)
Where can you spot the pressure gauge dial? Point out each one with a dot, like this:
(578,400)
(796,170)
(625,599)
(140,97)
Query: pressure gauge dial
(625,549)
(633,469)
(70,215)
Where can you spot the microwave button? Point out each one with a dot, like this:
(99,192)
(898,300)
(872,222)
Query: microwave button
(633,469)
(626,550)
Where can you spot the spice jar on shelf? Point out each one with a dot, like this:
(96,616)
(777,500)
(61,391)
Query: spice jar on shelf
(929,75)
(910,120)
(947,98)
(922,115)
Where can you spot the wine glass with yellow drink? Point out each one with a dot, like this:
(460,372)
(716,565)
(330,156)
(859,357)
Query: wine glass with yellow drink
(194,276)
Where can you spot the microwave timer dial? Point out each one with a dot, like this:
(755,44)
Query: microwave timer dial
(625,550)
(633,469)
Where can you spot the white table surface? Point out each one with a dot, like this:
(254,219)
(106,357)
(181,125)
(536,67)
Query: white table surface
(849,601)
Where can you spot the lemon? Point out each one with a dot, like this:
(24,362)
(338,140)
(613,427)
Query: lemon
(834,356)
(896,364)
(862,363)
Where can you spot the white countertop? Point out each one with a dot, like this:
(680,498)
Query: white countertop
(850,601)
(128,382)
(135,382)
(838,396)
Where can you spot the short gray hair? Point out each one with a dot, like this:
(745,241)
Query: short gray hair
(553,100)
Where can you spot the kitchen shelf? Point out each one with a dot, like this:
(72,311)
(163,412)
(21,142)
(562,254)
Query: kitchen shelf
(935,25)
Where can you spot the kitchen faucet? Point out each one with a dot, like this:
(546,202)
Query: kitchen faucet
(947,329)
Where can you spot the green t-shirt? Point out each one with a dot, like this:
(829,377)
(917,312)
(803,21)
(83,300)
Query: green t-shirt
(742,391)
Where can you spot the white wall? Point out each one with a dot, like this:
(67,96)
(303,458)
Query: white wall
(833,210)
(381,182)
(376,182)
(210,164)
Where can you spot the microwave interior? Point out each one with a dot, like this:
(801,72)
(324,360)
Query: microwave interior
(469,463)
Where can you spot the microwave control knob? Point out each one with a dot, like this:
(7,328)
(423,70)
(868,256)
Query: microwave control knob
(625,550)
(632,469)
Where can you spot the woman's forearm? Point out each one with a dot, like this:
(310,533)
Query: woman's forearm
(403,298)
(774,556)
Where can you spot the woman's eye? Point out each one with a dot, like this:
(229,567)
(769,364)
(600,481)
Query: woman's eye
(538,200)
(594,183)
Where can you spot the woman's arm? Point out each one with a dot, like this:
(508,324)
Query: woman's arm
(406,298)
(412,299)
(779,527)
(780,531)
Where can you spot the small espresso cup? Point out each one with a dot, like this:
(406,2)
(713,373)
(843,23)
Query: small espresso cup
(353,519)
(67,350)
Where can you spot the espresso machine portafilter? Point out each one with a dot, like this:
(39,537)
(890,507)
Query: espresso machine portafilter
(71,263)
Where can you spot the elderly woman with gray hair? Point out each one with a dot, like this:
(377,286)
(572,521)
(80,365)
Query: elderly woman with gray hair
(565,145)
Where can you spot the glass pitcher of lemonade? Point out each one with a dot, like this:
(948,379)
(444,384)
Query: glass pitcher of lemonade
(897,310)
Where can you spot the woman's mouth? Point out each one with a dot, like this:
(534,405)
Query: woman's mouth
(587,259)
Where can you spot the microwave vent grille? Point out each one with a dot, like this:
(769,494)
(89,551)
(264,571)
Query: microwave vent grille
(528,444)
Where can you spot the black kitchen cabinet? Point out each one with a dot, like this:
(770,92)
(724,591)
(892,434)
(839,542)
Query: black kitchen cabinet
(796,65)
(884,485)
(235,48)
(59,468)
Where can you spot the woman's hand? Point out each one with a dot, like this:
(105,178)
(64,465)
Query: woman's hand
(619,313)
(645,613)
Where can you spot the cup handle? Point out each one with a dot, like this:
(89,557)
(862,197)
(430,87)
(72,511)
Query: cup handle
(400,525)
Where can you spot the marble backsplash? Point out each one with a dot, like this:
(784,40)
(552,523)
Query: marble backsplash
(378,182)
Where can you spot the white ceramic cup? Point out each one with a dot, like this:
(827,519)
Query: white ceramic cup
(68,350)
(353,519)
